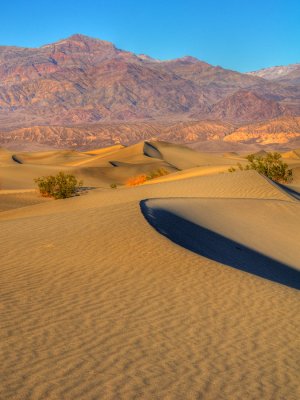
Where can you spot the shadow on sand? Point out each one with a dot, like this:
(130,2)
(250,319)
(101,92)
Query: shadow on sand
(289,190)
(218,248)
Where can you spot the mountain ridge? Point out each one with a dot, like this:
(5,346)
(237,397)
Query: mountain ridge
(82,81)
(88,79)
(212,135)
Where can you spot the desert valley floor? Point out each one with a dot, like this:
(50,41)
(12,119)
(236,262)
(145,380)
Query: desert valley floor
(185,287)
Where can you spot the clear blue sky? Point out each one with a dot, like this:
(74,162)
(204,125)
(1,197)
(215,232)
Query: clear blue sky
(243,35)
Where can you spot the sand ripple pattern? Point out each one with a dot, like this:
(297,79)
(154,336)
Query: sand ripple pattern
(96,305)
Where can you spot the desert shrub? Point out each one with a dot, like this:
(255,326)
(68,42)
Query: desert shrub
(113,186)
(60,186)
(136,180)
(157,173)
(269,165)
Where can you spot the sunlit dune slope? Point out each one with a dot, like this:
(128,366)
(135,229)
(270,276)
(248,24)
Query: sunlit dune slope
(292,154)
(5,157)
(96,304)
(59,157)
(115,164)
(183,157)
(105,150)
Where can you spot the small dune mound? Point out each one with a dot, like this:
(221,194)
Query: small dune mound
(132,155)
(230,154)
(60,157)
(5,157)
(182,157)
(104,150)
(261,153)
(293,154)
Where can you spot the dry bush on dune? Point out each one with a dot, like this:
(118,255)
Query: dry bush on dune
(60,186)
(157,173)
(138,180)
(269,165)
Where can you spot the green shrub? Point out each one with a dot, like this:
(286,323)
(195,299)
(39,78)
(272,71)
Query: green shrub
(113,186)
(60,186)
(269,165)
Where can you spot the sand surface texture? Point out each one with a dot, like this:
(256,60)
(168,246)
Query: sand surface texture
(97,304)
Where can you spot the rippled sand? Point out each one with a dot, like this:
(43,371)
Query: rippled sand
(96,304)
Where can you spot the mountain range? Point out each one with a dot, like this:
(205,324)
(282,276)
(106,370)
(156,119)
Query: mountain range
(79,83)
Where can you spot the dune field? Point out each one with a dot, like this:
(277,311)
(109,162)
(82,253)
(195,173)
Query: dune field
(185,287)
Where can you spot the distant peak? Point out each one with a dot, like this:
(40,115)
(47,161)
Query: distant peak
(79,38)
(186,60)
(190,59)
(276,72)
(144,57)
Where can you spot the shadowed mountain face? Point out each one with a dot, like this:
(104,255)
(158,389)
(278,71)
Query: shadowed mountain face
(84,80)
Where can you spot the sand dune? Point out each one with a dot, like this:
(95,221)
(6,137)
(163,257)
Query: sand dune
(226,231)
(12,199)
(292,154)
(59,157)
(184,157)
(95,304)
(105,150)
(189,173)
(97,154)
(97,168)
(5,157)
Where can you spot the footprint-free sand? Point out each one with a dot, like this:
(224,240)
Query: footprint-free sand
(97,304)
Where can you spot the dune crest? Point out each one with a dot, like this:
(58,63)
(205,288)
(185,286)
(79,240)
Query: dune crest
(227,231)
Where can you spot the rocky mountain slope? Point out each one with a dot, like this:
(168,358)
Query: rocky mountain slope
(279,73)
(288,77)
(205,135)
(84,80)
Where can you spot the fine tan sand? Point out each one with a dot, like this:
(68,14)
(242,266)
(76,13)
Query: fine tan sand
(294,154)
(96,304)
(12,199)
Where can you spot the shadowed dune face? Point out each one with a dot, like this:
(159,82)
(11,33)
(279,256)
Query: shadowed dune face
(213,245)
(151,151)
(295,193)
